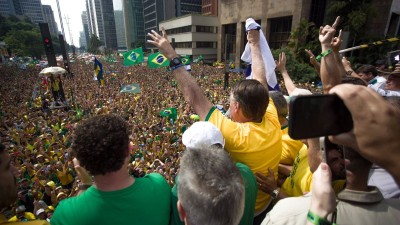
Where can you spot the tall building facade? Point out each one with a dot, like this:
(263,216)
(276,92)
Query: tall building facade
(102,22)
(194,35)
(209,7)
(120,28)
(7,7)
(49,18)
(85,24)
(155,11)
(134,23)
(31,8)
(277,20)
(82,39)
(184,7)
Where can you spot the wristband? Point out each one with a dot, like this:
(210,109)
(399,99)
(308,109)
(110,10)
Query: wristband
(314,219)
(175,67)
(327,52)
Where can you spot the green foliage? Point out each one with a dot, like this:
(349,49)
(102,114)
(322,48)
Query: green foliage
(22,36)
(94,44)
(354,15)
(298,71)
(305,36)
(25,42)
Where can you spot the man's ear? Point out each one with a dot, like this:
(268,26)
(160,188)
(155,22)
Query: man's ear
(181,211)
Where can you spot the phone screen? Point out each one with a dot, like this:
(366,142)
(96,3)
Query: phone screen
(317,116)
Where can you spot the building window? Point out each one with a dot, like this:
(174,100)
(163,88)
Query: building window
(280,31)
(205,29)
(179,30)
(205,44)
(183,45)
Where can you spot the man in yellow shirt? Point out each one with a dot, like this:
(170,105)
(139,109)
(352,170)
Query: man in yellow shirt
(253,137)
(9,187)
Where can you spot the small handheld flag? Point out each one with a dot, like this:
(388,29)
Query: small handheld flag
(157,60)
(98,71)
(133,57)
(130,88)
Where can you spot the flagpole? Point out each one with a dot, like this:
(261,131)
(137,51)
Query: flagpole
(370,44)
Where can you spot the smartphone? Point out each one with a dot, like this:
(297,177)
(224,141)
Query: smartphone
(314,116)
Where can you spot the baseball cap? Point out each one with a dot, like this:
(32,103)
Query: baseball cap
(202,134)
(40,211)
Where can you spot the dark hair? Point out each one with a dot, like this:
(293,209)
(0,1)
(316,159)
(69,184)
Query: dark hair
(252,97)
(368,69)
(101,144)
(280,103)
(353,80)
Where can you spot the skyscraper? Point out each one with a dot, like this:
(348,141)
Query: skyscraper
(85,24)
(82,39)
(101,21)
(49,18)
(134,23)
(184,7)
(7,7)
(31,8)
(120,27)
(155,11)
(209,7)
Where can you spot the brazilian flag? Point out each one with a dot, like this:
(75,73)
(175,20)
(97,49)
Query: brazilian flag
(186,60)
(170,113)
(133,57)
(157,60)
(130,88)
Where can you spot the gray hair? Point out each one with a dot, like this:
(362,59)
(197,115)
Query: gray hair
(210,187)
(280,103)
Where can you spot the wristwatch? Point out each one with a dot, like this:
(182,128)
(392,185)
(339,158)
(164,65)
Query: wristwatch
(175,63)
(274,194)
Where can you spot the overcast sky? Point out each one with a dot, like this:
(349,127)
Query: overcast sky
(72,9)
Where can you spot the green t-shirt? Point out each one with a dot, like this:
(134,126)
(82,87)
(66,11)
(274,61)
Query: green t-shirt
(250,183)
(147,201)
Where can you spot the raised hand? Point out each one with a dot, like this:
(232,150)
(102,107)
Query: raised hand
(326,33)
(281,64)
(162,43)
(313,60)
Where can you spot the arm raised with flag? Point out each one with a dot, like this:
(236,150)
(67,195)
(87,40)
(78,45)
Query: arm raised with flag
(187,84)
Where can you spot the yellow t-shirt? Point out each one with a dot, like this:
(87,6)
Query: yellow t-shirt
(300,177)
(65,177)
(258,145)
(290,148)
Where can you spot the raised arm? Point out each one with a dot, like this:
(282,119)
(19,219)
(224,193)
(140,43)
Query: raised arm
(281,67)
(336,43)
(330,74)
(314,62)
(257,62)
(187,84)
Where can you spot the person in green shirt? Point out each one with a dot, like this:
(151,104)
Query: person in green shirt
(102,148)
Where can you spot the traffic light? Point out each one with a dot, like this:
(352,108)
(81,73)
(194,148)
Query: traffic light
(48,44)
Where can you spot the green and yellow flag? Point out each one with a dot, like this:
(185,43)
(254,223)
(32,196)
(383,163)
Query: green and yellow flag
(133,57)
(157,60)
(186,60)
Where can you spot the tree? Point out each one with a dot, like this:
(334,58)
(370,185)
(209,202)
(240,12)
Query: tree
(94,44)
(25,42)
(305,36)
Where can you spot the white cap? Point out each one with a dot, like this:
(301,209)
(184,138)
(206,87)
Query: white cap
(300,91)
(39,211)
(202,134)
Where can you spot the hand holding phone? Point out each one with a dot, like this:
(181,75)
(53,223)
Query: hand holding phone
(314,116)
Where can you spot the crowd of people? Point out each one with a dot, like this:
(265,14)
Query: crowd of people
(107,147)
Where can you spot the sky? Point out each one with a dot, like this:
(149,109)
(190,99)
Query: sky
(72,9)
